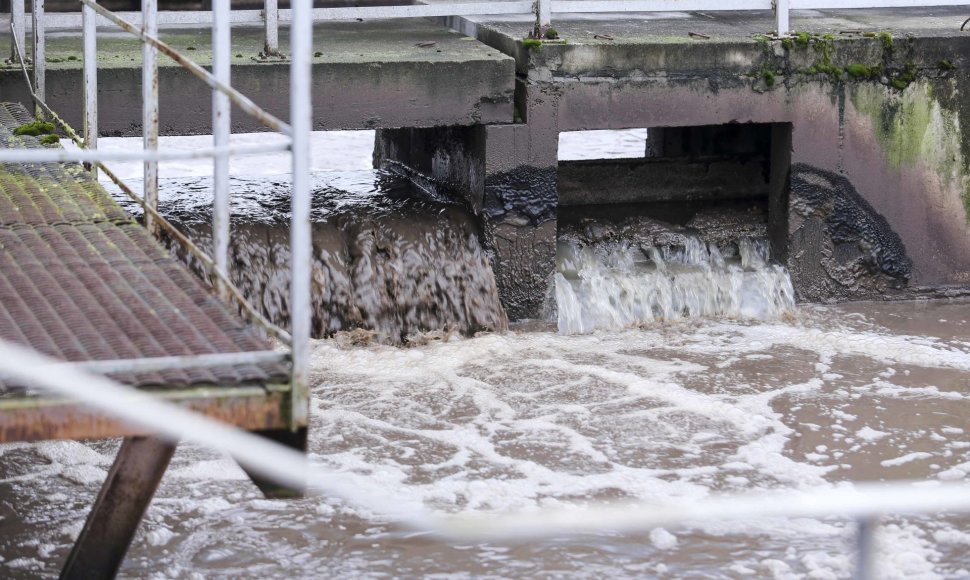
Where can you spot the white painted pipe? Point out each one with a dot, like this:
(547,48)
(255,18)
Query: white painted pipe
(301,250)
(221,67)
(90,41)
(149,79)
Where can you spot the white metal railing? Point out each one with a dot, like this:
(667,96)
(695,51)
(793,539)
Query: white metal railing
(865,503)
(223,96)
(271,17)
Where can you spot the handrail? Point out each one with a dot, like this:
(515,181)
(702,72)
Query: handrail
(265,17)
(297,131)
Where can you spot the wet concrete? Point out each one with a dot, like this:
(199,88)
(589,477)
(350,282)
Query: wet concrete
(870,96)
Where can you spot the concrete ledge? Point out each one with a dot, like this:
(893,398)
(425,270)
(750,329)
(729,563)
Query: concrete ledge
(365,75)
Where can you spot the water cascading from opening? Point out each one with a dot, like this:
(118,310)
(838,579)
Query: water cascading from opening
(389,259)
(618,283)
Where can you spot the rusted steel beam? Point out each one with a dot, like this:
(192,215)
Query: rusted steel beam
(37,419)
(107,533)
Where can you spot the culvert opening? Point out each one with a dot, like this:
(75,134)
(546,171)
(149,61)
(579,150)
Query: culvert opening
(674,222)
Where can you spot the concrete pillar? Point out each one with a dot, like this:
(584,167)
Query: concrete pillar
(505,175)
(520,205)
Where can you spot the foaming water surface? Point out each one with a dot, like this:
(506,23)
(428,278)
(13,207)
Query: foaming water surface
(613,285)
(815,398)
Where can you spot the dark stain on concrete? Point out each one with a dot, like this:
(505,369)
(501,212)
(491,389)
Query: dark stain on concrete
(841,248)
(524,195)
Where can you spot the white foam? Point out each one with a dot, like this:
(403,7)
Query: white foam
(904,459)
(617,285)
(870,435)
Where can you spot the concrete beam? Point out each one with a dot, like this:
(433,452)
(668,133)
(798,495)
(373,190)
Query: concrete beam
(660,179)
(365,75)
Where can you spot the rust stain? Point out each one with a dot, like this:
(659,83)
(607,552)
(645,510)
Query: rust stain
(70,421)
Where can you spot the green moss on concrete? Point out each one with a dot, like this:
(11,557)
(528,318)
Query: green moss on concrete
(531,43)
(913,128)
(901,79)
(946,66)
(50,140)
(887,41)
(859,71)
(34,128)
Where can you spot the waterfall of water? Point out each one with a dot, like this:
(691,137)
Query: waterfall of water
(618,284)
(389,260)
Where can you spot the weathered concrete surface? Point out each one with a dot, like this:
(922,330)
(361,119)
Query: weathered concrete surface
(499,175)
(365,75)
(660,180)
(877,124)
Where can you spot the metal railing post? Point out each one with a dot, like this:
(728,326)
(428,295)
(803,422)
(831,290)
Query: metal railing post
(149,80)
(865,549)
(220,137)
(271,19)
(18,22)
(40,58)
(782,8)
(543,9)
(301,249)
(89,25)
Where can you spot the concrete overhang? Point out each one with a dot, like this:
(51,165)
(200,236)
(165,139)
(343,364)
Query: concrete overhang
(366,75)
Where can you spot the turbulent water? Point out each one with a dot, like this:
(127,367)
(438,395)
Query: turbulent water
(617,284)
(818,398)
(388,258)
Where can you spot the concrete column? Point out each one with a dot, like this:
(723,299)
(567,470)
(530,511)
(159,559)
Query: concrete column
(505,175)
(520,206)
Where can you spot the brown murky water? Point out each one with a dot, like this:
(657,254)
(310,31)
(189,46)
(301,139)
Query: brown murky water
(524,420)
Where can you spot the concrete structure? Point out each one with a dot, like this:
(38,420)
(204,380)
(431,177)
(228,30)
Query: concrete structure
(365,75)
(863,137)
(851,134)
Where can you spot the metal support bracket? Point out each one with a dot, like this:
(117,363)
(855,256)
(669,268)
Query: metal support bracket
(125,496)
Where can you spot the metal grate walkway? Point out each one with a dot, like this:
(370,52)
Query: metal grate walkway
(80,280)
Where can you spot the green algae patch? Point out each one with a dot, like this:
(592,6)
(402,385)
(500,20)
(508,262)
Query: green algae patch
(50,140)
(864,72)
(946,66)
(914,129)
(887,41)
(903,78)
(34,129)
(531,43)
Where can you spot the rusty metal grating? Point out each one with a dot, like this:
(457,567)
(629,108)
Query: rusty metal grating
(82,280)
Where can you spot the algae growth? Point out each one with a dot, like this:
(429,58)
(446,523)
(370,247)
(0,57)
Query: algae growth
(35,129)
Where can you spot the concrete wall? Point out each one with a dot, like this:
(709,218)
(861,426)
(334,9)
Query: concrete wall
(878,140)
